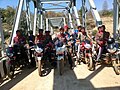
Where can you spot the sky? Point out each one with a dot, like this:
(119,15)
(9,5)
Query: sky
(98,3)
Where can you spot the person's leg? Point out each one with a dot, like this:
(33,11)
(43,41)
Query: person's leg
(78,52)
(99,53)
(76,47)
(70,60)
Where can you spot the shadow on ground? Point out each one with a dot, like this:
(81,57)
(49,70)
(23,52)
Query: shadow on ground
(72,83)
(17,78)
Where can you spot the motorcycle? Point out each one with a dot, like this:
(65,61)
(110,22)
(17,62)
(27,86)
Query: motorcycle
(10,55)
(30,53)
(86,54)
(7,65)
(113,55)
(7,68)
(71,43)
(39,57)
(21,57)
(60,52)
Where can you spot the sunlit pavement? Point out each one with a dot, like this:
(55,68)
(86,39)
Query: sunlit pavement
(103,78)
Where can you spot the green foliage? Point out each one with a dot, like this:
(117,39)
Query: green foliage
(6,35)
(107,13)
(80,11)
(105,5)
(94,32)
(8,16)
(54,14)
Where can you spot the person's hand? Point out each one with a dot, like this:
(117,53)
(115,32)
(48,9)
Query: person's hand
(100,43)
(78,41)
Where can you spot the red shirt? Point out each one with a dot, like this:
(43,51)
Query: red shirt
(19,40)
(40,38)
(62,37)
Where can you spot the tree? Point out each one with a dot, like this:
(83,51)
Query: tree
(105,8)
(8,16)
(105,5)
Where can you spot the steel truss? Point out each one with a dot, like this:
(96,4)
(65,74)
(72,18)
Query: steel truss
(40,20)
(116,18)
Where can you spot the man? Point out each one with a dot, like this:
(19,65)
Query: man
(49,44)
(31,38)
(82,37)
(101,39)
(40,38)
(66,32)
(48,38)
(19,39)
(31,42)
(62,39)
(19,43)
(75,35)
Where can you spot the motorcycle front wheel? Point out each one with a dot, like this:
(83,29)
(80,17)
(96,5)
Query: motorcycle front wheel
(90,64)
(11,71)
(116,66)
(40,67)
(60,66)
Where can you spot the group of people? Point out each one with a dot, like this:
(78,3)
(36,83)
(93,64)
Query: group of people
(40,38)
(63,36)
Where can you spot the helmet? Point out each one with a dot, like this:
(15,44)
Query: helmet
(110,41)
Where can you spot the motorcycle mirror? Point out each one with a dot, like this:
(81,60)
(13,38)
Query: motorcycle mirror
(93,37)
(4,43)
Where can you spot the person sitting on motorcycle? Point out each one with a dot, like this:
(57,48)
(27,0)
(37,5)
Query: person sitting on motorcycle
(31,43)
(75,37)
(31,38)
(62,40)
(20,42)
(19,39)
(83,36)
(101,39)
(66,32)
(48,39)
(40,38)
(48,44)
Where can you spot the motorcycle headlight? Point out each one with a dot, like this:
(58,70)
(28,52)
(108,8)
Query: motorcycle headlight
(88,46)
(60,50)
(38,50)
(10,54)
(112,50)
